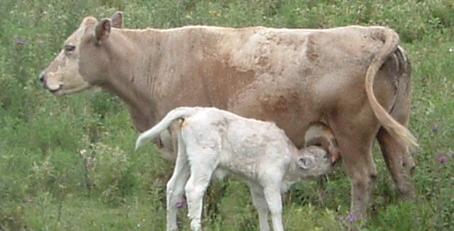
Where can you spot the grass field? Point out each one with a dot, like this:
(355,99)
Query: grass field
(68,163)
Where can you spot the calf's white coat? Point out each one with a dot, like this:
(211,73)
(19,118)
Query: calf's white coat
(213,141)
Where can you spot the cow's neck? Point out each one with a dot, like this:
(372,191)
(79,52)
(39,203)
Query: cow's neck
(139,108)
(126,81)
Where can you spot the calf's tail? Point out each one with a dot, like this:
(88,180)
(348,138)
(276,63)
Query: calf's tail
(175,114)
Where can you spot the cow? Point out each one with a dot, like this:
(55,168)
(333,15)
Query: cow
(354,79)
(213,143)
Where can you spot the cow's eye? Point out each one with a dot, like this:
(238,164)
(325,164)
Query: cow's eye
(69,48)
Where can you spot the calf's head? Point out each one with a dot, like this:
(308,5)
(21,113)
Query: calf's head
(313,161)
(70,71)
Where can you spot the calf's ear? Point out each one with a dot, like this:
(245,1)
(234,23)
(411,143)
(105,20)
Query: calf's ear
(102,30)
(117,19)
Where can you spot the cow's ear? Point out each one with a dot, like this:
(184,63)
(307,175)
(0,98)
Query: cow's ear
(117,19)
(102,30)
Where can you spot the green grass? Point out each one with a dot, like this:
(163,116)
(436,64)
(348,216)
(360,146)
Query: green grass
(68,163)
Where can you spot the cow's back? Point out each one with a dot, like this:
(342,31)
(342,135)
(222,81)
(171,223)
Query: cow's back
(290,76)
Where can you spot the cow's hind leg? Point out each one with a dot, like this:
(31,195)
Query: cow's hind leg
(355,143)
(362,171)
(397,156)
(399,163)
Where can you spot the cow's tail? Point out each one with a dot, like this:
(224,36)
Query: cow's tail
(398,131)
(175,114)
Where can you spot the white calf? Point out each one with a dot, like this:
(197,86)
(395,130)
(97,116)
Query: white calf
(215,141)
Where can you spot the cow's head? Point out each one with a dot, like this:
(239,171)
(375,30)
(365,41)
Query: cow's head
(68,73)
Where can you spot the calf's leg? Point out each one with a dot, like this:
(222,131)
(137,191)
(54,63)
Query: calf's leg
(175,187)
(274,201)
(202,168)
(260,204)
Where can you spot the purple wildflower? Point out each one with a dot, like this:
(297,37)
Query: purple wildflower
(442,158)
(352,218)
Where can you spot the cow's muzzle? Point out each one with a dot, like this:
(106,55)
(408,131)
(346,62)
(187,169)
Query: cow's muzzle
(43,80)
